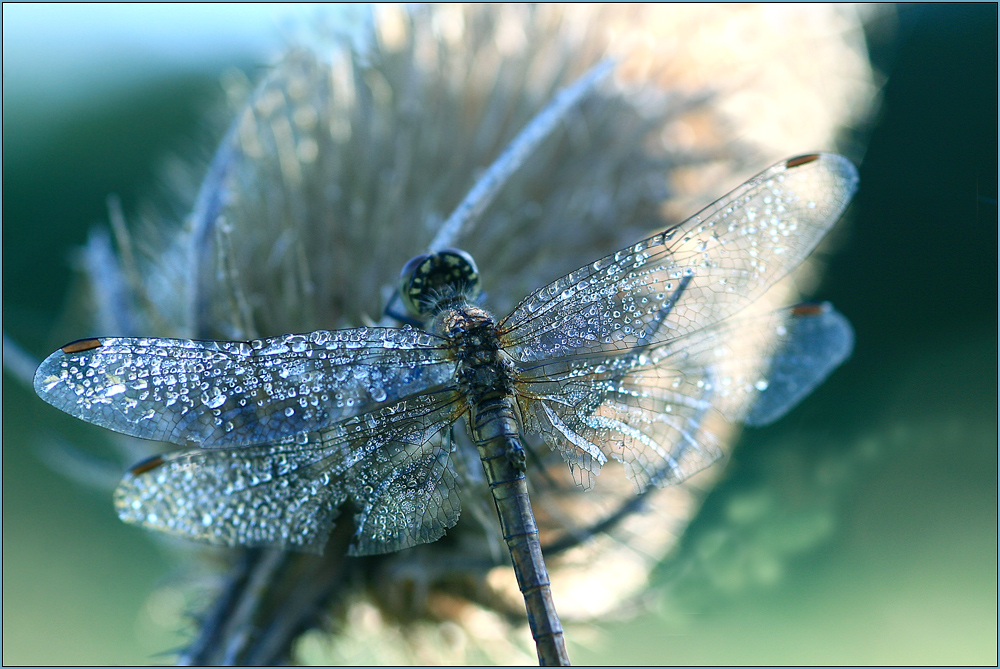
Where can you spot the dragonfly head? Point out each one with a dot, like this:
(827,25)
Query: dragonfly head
(430,278)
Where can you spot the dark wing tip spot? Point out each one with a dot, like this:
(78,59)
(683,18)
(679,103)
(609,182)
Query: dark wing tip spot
(809,309)
(146,465)
(81,345)
(801,160)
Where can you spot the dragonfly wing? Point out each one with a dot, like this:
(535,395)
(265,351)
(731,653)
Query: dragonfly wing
(386,463)
(691,276)
(647,417)
(253,496)
(647,407)
(819,338)
(406,491)
(216,394)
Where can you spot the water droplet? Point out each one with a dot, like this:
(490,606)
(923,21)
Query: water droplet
(213,401)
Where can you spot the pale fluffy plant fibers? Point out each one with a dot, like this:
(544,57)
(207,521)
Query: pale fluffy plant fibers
(343,160)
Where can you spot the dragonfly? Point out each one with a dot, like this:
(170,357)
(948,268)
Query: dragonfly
(622,359)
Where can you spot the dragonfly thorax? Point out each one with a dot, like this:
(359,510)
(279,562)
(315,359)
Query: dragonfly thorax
(486,376)
(483,369)
(460,320)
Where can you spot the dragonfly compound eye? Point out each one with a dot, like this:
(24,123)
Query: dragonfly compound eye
(428,278)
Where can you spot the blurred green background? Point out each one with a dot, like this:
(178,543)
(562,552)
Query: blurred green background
(861,529)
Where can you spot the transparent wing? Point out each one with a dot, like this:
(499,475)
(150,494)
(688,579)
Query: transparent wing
(647,407)
(650,419)
(691,276)
(818,339)
(385,462)
(214,394)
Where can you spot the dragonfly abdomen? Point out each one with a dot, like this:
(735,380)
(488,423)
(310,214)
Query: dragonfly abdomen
(495,430)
